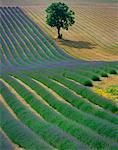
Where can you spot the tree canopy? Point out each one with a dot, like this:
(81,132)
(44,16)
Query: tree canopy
(60,16)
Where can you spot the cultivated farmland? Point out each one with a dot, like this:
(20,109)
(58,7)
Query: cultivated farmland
(46,101)
(95,28)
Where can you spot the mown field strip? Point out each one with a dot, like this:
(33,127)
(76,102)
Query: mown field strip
(88,34)
(107,55)
(97,29)
(98,13)
(104,9)
(99,19)
(68,35)
(105,37)
(77,14)
(74,29)
(43,21)
(103,55)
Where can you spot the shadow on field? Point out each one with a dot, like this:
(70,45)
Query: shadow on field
(78,44)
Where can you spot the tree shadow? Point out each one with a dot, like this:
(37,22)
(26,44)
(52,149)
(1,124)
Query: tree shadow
(78,44)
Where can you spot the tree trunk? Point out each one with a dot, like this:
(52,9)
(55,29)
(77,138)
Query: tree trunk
(59,34)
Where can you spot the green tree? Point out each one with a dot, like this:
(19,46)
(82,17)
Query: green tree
(60,16)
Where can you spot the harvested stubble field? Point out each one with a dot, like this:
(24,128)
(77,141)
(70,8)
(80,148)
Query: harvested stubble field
(46,101)
(94,35)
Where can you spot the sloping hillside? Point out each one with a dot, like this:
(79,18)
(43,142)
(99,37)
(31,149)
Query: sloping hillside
(45,101)
(92,37)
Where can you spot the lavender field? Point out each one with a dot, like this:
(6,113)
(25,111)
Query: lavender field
(46,99)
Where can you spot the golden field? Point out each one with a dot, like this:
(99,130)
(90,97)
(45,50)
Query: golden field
(92,37)
(102,88)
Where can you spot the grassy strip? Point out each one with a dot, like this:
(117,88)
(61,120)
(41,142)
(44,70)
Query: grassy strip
(19,133)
